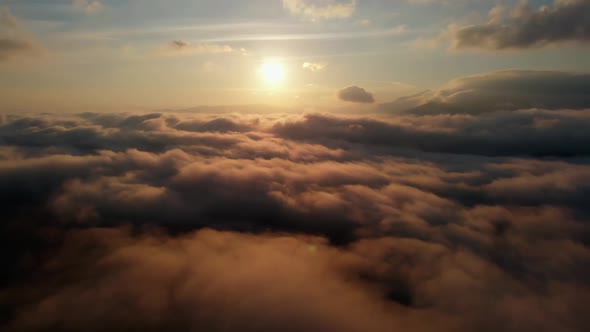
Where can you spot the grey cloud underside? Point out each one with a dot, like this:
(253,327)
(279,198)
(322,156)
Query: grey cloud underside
(356,94)
(500,91)
(318,222)
(564,21)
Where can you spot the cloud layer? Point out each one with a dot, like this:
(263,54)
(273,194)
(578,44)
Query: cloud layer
(563,21)
(315,222)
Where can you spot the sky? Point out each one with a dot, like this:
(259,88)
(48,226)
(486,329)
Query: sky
(106,55)
(295,165)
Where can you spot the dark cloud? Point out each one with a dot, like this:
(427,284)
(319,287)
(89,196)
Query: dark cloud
(521,133)
(501,91)
(237,282)
(356,94)
(563,21)
(178,44)
(318,222)
(9,47)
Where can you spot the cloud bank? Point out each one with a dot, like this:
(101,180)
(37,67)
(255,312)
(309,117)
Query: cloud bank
(501,91)
(314,222)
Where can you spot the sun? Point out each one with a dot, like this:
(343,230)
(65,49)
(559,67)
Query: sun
(272,72)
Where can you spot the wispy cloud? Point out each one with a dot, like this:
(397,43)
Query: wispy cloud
(395,31)
(15,40)
(315,10)
(182,48)
(89,7)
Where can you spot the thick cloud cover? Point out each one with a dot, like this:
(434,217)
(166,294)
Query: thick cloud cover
(563,21)
(317,222)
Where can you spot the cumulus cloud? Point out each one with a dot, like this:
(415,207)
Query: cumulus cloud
(321,9)
(315,222)
(563,21)
(313,67)
(15,41)
(356,94)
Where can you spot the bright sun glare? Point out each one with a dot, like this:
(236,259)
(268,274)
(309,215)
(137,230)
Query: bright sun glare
(272,72)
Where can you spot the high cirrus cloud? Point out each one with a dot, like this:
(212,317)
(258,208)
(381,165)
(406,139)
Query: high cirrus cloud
(316,222)
(563,21)
(356,94)
(321,9)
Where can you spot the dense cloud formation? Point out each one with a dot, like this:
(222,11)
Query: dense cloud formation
(317,222)
(563,21)
(356,94)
